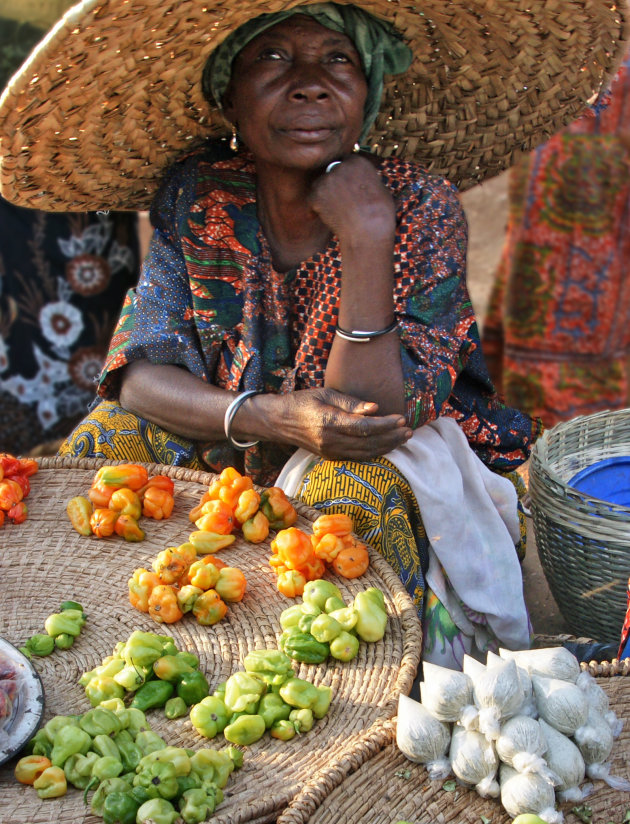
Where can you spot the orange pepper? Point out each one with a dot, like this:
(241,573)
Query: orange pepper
(126,502)
(128,528)
(203,575)
(141,584)
(102,522)
(231,584)
(232,479)
(22,481)
(159,481)
(163,605)
(9,463)
(293,547)
(277,564)
(133,476)
(247,505)
(100,495)
(18,513)
(313,569)
(327,547)
(352,561)
(212,559)
(188,551)
(278,509)
(157,503)
(29,768)
(291,583)
(209,608)
(11,493)
(333,524)
(79,511)
(28,466)
(1,517)
(170,565)
(217,517)
(256,529)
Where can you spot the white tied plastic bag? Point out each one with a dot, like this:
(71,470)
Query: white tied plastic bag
(528,793)
(422,738)
(498,694)
(598,700)
(548,662)
(474,761)
(522,745)
(565,759)
(447,693)
(560,703)
(595,741)
(528,707)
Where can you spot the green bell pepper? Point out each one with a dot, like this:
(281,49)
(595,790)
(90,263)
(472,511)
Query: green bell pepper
(143,648)
(149,741)
(299,693)
(130,753)
(68,622)
(245,730)
(177,756)
(159,779)
(346,617)
(120,808)
(269,665)
(189,657)
(272,708)
(136,721)
(290,616)
(171,667)
(371,618)
(319,591)
(302,720)
(101,688)
(57,723)
(63,641)
(106,767)
(345,646)
(132,677)
(243,692)
(213,766)
(325,628)
(210,716)
(333,604)
(157,811)
(104,745)
(152,694)
(192,781)
(40,744)
(40,645)
(283,730)
(100,721)
(78,769)
(175,707)
(301,646)
(193,687)
(322,702)
(71,605)
(105,788)
(68,741)
(196,806)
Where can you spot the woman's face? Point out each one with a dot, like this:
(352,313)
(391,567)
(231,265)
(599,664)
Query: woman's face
(297,94)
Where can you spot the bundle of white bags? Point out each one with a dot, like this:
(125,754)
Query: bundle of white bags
(528,726)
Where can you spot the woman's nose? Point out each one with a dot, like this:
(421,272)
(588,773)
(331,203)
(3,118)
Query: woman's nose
(308,83)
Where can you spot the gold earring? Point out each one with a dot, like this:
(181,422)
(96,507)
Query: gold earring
(234,140)
(356,148)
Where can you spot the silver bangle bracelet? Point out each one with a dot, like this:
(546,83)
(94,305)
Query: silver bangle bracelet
(360,336)
(230,412)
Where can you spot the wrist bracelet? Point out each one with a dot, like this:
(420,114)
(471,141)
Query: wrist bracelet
(360,336)
(230,412)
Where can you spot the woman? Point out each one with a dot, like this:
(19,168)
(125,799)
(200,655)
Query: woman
(326,288)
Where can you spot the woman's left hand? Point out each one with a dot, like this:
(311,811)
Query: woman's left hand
(353,201)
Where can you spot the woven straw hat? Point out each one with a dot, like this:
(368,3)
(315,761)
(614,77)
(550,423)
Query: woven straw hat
(112,95)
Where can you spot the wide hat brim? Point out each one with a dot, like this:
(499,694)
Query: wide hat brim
(113,95)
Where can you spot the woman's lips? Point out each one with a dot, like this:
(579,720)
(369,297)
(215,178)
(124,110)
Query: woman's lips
(309,134)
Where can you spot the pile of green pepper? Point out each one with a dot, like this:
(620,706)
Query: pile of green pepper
(266,696)
(152,668)
(324,625)
(61,629)
(136,776)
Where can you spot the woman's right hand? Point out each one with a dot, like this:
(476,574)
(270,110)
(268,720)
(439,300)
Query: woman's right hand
(323,421)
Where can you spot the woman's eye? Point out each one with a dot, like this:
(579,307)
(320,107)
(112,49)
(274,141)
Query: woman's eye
(270,54)
(339,57)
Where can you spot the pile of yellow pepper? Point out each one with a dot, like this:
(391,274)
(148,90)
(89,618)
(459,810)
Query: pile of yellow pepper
(118,497)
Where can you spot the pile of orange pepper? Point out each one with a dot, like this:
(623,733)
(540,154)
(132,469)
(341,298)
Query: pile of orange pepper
(118,497)
(180,582)
(230,503)
(297,557)
(15,486)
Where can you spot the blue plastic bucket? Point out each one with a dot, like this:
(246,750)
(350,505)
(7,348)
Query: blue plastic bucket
(608,480)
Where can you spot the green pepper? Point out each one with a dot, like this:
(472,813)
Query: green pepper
(192,781)
(301,646)
(175,707)
(105,788)
(272,708)
(78,769)
(302,720)
(63,640)
(52,727)
(69,741)
(40,645)
(130,753)
(371,618)
(189,657)
(152,694)
(159,779)
(306,621)
(290,616)
(131,677)
(236,756)
(177,756)
(319,591)
(106,767)
(325,628)
(116,705)
(245,730)
(157,811)
(100,721)
(168,645)
(333,604)
(101,688)
(346,617)
(283,730)
(270,665)
(213,766)
(149,741)
(109,667)
(344,647)
(171,667)
(104,745)
(136,721)
(71,605)
(219,690)
(40,744)
(193,687)
(68,622)
(376,595)
(210,716)
(196,806)
(322,702)
(120,808)
(143,648)
(242,692)
(299,693)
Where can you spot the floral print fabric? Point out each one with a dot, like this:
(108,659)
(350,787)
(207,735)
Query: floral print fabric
(62,282)
(210,300)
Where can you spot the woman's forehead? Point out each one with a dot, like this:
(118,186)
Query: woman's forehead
(299,24)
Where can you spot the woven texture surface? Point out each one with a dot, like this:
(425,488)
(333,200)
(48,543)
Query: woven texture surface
(583,543)
(376,783)
(114,94)
(44,562)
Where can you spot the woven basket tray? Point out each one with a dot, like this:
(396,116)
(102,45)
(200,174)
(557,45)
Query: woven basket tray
(44,562)
(375,784)
(583,542)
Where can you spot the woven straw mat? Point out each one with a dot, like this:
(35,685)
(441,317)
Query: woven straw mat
(115,97)
(44,562)
(375,784)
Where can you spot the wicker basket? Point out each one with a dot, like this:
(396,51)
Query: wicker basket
(583,542)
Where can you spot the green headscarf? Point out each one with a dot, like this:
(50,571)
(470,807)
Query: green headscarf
(380,47)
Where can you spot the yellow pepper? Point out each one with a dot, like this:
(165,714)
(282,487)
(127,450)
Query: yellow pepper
(291,583)
(217,517)
(127,502)
(206,542)
(79,510)
(51,783)
(170,565)
(278,508)
(256,529)
(133,476)
(29,768)
(141,584)
(128,528)
(209,608)
(163,606)
(203,575)
(247,505)
(231,584)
